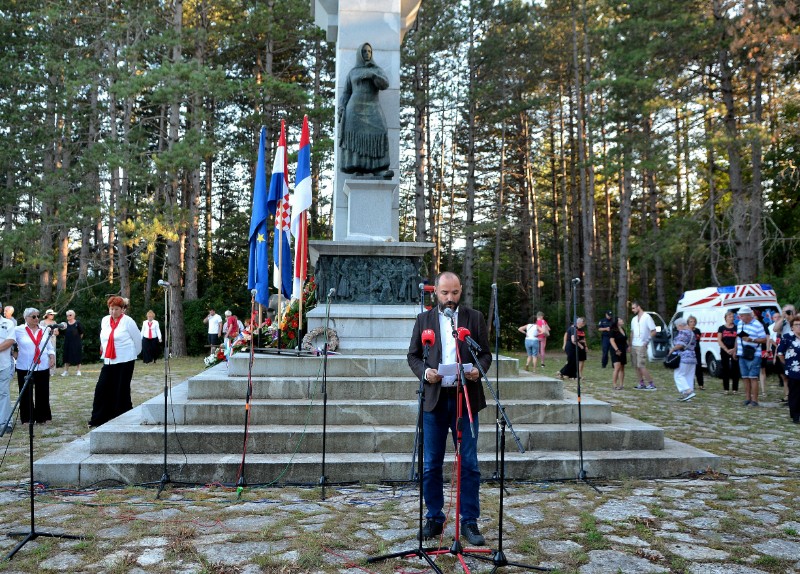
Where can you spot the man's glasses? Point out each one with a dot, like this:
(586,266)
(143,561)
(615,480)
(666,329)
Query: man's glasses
(788,312)
(33,316)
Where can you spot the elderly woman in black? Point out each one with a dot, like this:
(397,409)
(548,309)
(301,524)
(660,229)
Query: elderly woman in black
(37,353)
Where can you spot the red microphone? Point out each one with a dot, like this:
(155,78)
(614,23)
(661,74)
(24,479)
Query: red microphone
(428,337)
(464,335)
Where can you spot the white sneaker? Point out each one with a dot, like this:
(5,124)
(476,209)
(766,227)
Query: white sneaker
(64,374)
(78,374)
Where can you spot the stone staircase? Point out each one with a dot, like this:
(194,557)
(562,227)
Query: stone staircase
(371,413)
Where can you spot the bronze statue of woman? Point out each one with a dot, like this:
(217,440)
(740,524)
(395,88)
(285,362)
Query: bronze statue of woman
(363,137)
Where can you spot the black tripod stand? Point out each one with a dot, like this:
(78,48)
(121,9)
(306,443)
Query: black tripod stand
(165,479)
(428,338)
(499,558)
(581,470)
(241,481)
(32,534)
(323,480)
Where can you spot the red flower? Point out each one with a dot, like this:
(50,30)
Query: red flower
(291,334)
(294,324)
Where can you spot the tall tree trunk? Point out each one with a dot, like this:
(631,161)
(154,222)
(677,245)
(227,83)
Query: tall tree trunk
(469,221)
(586,152)
(655,221)
(499,223)
(174,243)
(744,251)
(756,195)
(420,152)
(626,205)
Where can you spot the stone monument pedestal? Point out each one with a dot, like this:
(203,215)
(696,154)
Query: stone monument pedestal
(377,292)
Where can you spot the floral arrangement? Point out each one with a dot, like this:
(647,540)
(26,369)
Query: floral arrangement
(215,358)
(288,323)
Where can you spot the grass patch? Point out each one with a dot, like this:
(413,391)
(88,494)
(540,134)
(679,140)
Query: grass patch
(592,537)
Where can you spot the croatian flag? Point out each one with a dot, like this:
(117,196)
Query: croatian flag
(278,204)
(258,264)
(301,201)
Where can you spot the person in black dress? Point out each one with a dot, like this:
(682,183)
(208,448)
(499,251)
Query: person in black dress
(619,352)
(726,336)
(73,344)
(575,339)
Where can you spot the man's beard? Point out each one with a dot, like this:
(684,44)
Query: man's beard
(450,305)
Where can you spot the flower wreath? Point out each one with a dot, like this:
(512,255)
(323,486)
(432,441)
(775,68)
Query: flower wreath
(308,340)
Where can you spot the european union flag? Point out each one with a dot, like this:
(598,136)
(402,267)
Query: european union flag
(258,265)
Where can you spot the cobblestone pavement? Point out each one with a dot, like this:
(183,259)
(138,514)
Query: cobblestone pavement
(742,519)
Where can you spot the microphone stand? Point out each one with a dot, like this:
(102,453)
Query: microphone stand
(581,471)
(32,534)
(241,481)
(497,379)
(165,479)
(499,558)
(457,549)
(322,478)
(419,551)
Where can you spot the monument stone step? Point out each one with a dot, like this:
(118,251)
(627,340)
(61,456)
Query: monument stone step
(76,465)
(289,364)
(359,412)
(622,433)
(216,387)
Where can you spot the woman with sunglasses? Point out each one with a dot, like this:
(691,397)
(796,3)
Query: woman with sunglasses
(37,353)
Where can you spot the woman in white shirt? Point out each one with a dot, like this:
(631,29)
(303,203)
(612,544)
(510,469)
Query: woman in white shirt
(37,353)
(151,337)
(531,331)
(120,344)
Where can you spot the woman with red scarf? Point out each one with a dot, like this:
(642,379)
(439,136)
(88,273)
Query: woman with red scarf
(37,353)
(120,343)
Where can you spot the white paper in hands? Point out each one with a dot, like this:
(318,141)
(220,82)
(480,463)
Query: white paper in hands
(449,373)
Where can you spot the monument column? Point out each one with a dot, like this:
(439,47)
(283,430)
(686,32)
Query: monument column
(366,207)
(375,276)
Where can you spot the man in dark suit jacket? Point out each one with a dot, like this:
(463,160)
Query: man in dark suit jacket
(439,405)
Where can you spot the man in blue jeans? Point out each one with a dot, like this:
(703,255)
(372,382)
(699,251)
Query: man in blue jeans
(748,350)
(440,405)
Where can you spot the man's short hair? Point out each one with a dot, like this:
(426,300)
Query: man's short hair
(446,274)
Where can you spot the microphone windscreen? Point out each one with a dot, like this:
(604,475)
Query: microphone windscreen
(448,312)
(428,337)
(463,333)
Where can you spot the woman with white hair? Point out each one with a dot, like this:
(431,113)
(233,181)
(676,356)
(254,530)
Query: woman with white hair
(684,344)
(37,353)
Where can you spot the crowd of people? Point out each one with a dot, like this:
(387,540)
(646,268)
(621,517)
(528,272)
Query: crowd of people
(749,341)
(29,350)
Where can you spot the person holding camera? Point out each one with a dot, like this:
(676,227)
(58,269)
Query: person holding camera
(748,349)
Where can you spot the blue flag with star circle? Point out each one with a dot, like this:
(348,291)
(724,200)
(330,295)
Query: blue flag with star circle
(258,264)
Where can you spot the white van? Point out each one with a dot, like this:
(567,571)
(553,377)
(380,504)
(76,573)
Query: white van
(709,306)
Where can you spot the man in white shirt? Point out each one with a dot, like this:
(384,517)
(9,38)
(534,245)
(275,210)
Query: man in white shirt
(214,323)
(7,340)
(643,328)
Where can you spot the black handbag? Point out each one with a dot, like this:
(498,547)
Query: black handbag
(748,353)
(673,360)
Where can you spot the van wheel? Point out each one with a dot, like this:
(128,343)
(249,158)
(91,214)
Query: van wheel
(713,365)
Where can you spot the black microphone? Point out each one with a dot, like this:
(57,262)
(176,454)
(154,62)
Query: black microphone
(332,292)
(59,326)
(421,286)
(494,286)
(253,292)
(448,312)
(576,281)
(163,283)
